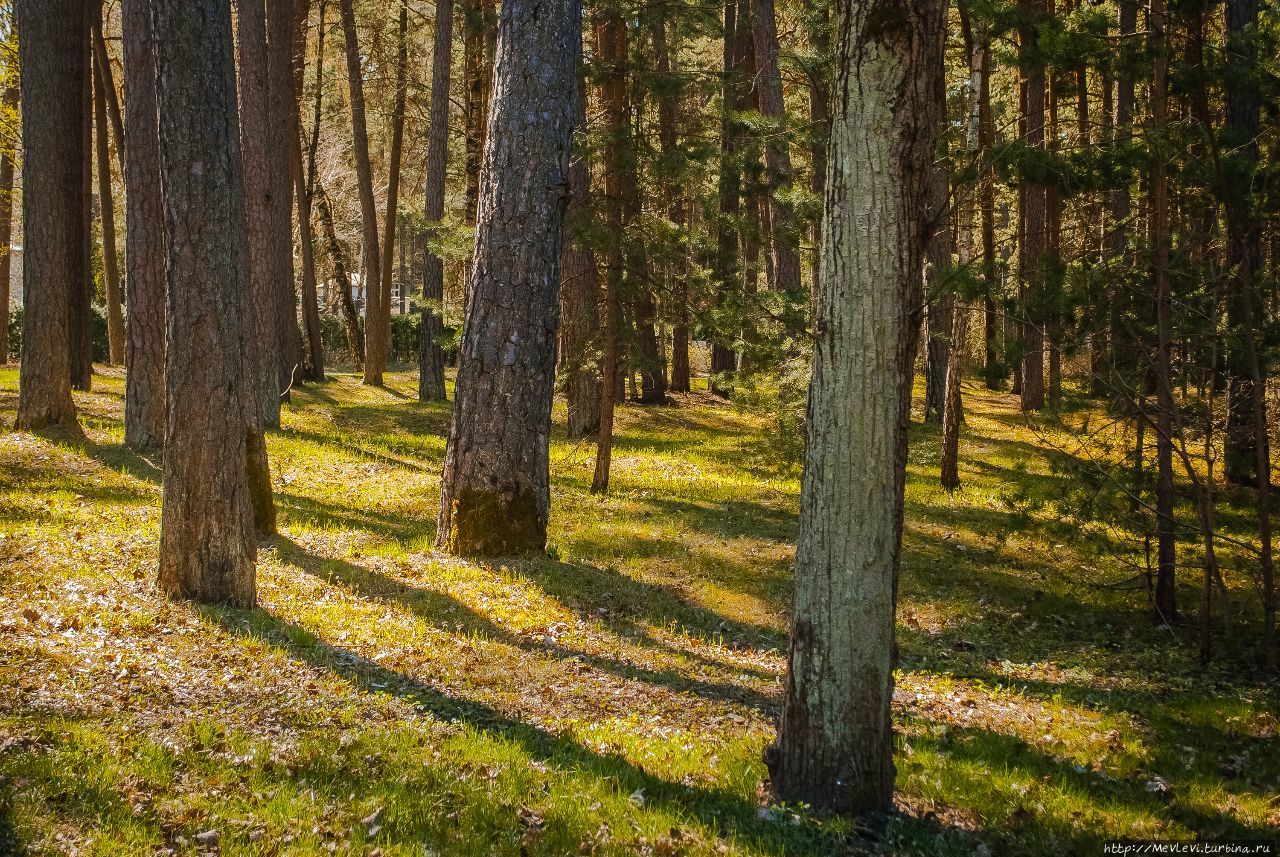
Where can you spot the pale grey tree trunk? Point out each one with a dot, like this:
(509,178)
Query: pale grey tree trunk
(835,748)
(495,494)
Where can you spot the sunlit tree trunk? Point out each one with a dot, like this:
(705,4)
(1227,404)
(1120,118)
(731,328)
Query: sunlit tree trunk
(1032,202)
(495,495)
(313,355)
(430,355)
(834,749)
(53,55)
(106,200)
(8,151)
(213,453)
(392,219)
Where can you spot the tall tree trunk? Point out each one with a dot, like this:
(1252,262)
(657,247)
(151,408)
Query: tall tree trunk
(495,494)
(940,301)
(580,292)
(724,360)
(818,14)
(106,202)
(342,276)
(377,318)
(784,253)
(1166,532)
(1124,347)
(144,397)
(834,749)
(211,466)
(1032,204)
(255,142)
(283,143)
(313,355)
(8,151)
(995,370)
(478,19)
(430,355)
(1051,282)
(53,56)
(392,220)
(668,105)
(80,299)
(1244,249)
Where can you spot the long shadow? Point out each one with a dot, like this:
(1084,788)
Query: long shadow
(433,606)
(345,442)
(715,808)
(400,528)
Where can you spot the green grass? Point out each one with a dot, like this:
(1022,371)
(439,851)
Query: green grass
(611,697)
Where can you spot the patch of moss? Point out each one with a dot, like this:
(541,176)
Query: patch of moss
(495,523)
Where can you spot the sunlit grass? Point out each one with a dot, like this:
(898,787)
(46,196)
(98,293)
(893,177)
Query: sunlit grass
(612,696)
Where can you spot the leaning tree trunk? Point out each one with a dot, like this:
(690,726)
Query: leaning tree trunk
(144,396)
(54,58)
(580,293)
(106,202)
(834,749)
(496,495)
(430,355)
(8,150)
(207,544)
(259,169)
(376,327)
(342,277)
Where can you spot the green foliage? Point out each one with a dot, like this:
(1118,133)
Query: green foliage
(97,331)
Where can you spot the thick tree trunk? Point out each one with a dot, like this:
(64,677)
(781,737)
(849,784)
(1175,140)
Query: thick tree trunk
(430,356)
(53,56)
(1166,531)
(106,204)
(8,150)
(255,142)
(144,398)
(580,293)
(313,354)
(1032,203)
(784,252)
(835,745)
(495,495)
(377,318)
(392,220)
(207,544)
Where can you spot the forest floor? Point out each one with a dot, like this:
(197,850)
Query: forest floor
(610,697)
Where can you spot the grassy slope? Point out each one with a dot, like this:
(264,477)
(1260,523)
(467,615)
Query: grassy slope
(613,696)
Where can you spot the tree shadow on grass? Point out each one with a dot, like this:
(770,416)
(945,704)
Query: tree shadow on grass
(439,608)
(716,809)
(401,528)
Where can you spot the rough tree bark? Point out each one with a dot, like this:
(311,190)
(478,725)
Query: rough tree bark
(54,58)
(80,298)
(144,397)
(430,355)
(377,318)
(255,133)
(834,749)
(212,438)
(282,141)
(495,495)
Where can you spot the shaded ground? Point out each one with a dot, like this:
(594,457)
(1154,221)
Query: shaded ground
(611,697)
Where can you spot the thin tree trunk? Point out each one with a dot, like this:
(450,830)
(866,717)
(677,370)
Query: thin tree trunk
(668,104)
(940,300)
(478,20)
(313,355)
(54,65)
(283,143)
(430,356)
(342,276)
(580,292)
(114,116)
(784,255)
(1124,358)
(723,359)
(106,206)
(8,150)
(80,299)
(818,13)
(377,318)
(392,219)
(1032,204)
(144,398)
(495,493)
(214,461)
(1166,532)
(834,749)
